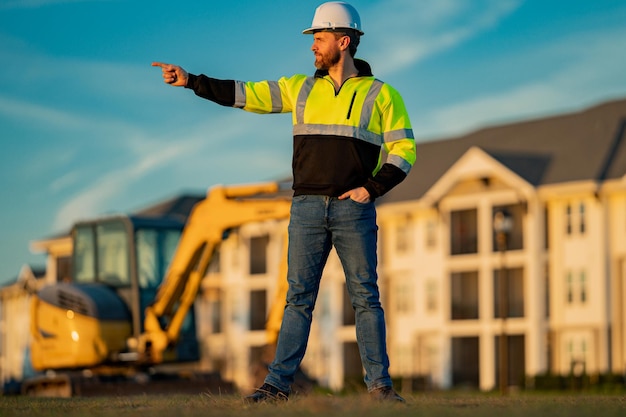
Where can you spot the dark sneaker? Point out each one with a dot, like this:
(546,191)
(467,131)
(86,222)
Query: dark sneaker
(267,393)
(386,394)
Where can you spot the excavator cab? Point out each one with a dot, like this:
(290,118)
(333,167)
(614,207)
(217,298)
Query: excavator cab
(118,265)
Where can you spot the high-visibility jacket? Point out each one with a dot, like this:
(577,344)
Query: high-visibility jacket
(358,136)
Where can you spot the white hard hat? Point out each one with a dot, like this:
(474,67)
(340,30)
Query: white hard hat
(335,15)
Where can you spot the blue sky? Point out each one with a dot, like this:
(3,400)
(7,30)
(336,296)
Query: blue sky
(87,127)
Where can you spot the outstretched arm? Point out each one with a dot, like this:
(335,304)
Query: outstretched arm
(173,74)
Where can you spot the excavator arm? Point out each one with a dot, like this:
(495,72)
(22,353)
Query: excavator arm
(223,209)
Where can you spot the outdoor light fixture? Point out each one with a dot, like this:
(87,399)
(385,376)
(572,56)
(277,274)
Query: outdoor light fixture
(502,226)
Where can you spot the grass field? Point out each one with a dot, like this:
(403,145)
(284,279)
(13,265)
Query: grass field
(423,405)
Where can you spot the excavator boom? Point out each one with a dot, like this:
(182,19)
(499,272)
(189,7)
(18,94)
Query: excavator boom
(223,209)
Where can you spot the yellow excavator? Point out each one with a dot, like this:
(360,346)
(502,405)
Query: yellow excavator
(125,308)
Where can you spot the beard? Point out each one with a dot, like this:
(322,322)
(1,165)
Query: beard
(326,61)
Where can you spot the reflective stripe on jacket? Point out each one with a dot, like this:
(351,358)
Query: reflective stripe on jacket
(359,136)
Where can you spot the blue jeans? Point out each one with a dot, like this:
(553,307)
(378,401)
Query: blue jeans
(317,223)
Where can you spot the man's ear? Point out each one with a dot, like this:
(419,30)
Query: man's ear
(345,43)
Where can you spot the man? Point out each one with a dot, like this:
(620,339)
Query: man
(352,142)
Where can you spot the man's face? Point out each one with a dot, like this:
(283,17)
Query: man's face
(326,49)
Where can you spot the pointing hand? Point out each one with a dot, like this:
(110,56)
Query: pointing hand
(173,74)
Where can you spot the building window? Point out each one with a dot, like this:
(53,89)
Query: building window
(576,290)
(464,295)
(352,365)
(581,209)
(432,304)
(258,309)
(214,305)
(403,237)
(403,296)
(431,234)
(578,359)
(568,219)
(258,254)
(516,363)
(569,287)
(257,356)
(348,317)
(583,287)
(465,362)
(404,361)
(214,264)
(464,232)
(515,292)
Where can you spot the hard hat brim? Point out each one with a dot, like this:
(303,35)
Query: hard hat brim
(312,30)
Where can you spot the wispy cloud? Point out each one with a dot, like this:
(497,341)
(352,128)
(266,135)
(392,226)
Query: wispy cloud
(91,199)
(207,147)
(594,72)
(66,180)
(74,75)
(15,108)
(405,32)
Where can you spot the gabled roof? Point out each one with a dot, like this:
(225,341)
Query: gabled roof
(587,145)
(476,164)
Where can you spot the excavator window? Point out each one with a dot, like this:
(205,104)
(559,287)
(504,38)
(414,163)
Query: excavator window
(101,254)
(113,263)
(155,249)
(84,254)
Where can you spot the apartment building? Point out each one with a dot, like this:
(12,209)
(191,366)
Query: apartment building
(562,181)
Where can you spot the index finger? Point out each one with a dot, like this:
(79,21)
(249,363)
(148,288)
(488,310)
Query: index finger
(160,64)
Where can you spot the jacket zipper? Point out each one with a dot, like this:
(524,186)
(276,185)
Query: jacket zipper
(351,104)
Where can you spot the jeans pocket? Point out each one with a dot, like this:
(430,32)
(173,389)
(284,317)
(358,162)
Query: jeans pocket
(359,204)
